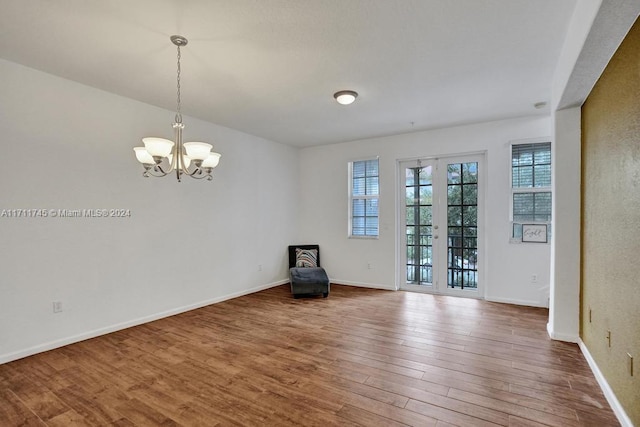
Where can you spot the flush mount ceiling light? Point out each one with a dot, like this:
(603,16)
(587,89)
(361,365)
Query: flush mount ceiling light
(161,156)
(345,97)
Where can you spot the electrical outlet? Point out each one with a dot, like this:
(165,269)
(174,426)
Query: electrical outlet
(369,266)
(259,267)
(534,278)
(608,337)
(630,364)
(589,314)
(57,306)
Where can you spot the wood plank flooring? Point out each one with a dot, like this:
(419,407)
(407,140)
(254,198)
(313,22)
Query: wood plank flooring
(361,357)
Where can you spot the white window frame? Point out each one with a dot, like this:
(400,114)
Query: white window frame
(527,190)
(352,197)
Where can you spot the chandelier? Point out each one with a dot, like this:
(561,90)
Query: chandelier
(161,156)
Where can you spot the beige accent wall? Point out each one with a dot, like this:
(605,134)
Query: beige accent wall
(611,223)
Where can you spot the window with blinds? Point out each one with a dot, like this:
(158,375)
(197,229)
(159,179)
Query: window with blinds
(363,198)
(530,186)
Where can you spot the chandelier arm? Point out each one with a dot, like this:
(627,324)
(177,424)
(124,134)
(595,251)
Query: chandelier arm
(178,162)
(153,171)
(174,160)
(198,170)
(179,174)
(204,175)
(180,167)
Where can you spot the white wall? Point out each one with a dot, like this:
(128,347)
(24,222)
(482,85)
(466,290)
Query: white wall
(68,146)
(564,307)
(323,211)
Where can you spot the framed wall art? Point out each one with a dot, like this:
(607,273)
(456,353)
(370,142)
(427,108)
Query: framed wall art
(534,233)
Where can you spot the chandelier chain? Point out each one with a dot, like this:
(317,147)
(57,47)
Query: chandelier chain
(178,112)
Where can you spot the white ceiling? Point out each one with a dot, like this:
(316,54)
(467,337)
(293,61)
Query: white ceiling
(270,67)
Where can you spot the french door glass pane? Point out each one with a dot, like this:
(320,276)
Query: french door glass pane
(471,194)
(462,221)
(419,221)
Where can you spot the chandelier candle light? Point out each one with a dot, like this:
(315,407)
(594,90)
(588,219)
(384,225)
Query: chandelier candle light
(161,156)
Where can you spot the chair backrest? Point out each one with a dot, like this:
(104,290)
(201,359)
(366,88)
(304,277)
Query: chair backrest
(292,253)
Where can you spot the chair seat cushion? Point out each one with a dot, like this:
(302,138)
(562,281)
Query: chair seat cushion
(309,280)
(304,275)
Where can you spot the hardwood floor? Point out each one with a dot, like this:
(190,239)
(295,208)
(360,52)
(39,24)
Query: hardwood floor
(360,357)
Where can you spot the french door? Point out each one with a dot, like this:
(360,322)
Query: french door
(440,231)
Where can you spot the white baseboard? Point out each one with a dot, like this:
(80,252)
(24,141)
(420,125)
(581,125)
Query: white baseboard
(528,303)
(617,408)
(362,285)
(5,358)
(561,337)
